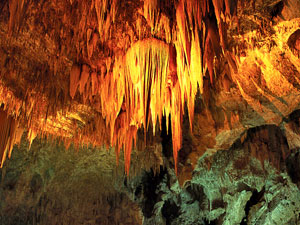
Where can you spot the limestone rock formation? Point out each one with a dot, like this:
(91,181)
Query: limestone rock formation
(196,101)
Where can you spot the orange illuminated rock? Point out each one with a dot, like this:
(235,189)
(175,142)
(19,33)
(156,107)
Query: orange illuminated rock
(74,79)
(134,67)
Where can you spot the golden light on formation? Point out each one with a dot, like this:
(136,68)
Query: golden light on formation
(133,86)
(155,78)
(106,14)
(134,92)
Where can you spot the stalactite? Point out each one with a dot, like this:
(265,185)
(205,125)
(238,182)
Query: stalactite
(84,76)
(195,28)
(10,104)
(106,11)
(16,11)
(189,51)
(74,79)
(10,134)
(94,81)
(144,85)
(154,78)
(151,12)
(145,93)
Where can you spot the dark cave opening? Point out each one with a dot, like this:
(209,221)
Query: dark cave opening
(170,211)
(255,199)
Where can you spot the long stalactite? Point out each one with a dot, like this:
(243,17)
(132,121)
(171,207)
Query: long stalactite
(137,87)
(10,134)
(155,79)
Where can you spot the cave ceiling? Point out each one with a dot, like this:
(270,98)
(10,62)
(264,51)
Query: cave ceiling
(109,72)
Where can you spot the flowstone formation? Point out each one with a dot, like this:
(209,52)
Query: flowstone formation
(158,111)
(232,186)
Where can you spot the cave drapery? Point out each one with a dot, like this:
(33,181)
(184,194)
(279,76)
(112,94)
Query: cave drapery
(127,75)
(140,82)
(186,84)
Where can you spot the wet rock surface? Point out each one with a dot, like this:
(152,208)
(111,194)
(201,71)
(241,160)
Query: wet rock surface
(240,155)
(253,182)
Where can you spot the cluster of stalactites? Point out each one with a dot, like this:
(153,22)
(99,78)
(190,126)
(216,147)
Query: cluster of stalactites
(106,11)
(133,93)
(189,52)
(151,13)
(16,11)
(141,88)
(31,114)
(155,79)
(200,40)
(158,21)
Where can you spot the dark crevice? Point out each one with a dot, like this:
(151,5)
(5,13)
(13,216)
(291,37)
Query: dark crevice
(138,192)
(166,139)
(149,184)
(170,211)
(213,222)
(3,4)
(271,137)
(255,199)
(277,9)
(293,166)
(196,191)
(294,116)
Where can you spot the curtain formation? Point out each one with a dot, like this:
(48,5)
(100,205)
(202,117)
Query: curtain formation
(149,79)
(156,78)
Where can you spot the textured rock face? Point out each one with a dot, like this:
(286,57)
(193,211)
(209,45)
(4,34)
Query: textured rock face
(49,185)
(252,182)
(109,72)
(93,72)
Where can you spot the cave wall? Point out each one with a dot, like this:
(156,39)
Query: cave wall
(238,143)
(254,181)
(49,185)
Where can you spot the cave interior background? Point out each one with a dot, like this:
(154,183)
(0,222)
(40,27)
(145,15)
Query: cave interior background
(149,112)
